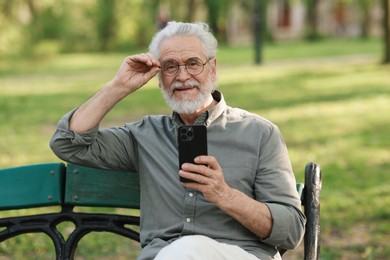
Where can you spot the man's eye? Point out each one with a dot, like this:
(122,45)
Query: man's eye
(170,66)
(193,63)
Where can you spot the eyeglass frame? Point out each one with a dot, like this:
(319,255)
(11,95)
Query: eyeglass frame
(185,66)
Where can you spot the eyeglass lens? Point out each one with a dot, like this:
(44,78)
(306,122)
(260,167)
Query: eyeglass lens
(194,66)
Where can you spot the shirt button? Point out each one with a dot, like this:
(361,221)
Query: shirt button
(190,194)
(188,220)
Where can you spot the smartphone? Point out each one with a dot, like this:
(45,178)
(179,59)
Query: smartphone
(192,141)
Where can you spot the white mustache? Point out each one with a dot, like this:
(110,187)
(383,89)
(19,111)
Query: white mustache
(187,84)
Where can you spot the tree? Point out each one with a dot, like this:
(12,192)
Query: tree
(312,20)
(258,10)
(106,23)
(35,26)
(365,7)
(213,7)
(386,30)
(259,17)
(190,10)
(217,16)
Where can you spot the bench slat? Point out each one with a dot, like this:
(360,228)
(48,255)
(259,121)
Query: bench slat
(101,188)
(30,186)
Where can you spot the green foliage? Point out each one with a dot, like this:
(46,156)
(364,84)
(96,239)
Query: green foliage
(218,11)
(74,26)
(106,23)
(331,109)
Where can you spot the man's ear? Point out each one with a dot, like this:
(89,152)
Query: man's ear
(213,66)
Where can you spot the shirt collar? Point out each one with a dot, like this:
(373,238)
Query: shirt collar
(208,116)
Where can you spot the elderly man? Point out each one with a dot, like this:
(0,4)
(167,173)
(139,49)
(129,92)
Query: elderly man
(241,202)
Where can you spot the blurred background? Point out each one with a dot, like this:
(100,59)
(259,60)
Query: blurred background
(32,27)
(319,69)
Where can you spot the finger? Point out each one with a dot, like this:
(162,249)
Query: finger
(154,61)
(208,160)
(142,63)
(144,57)
(194,186)
(195,177)
(152,64)
(197,169)
(139,58)
(148,59)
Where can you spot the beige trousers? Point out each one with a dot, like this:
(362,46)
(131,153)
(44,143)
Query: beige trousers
(198,247)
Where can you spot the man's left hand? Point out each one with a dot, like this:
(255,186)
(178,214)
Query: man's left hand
(207,177)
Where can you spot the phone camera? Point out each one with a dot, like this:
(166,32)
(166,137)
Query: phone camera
(186,134)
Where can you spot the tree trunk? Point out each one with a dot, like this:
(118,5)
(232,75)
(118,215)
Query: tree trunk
(106,24)
(6,9)
(258,29)
(312,18)
(35,28)
(191,11)
(386,31)
(365,22)
(213,15)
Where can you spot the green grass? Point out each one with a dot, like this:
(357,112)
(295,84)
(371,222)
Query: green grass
(330,108)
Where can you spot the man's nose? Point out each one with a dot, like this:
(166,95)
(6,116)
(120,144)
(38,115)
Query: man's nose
(182,73)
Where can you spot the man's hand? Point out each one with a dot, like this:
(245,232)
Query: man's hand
(135,71)
(209,180)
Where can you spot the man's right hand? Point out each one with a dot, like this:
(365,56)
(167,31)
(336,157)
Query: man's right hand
(135,71)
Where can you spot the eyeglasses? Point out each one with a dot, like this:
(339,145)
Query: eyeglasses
(194,66)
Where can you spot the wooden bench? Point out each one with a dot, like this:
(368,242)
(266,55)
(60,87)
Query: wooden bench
(68,186)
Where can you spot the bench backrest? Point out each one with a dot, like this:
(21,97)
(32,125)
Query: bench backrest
(32,186)
(50,184)
(101,188)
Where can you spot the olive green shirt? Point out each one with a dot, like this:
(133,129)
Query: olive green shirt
(250,150)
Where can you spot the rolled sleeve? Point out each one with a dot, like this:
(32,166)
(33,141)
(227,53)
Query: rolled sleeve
(288,226)
(63,137)
(108,148)
(85,138)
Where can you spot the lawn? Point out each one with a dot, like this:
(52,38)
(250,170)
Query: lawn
(329,99)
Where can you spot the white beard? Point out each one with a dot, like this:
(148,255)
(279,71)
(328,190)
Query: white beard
(186,104)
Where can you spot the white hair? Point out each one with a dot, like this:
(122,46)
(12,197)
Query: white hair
(200,30)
